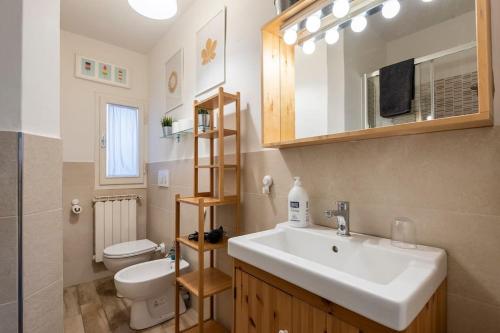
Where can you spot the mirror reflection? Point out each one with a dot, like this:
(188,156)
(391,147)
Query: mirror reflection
(397,62)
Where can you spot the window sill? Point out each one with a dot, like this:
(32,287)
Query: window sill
(120,187)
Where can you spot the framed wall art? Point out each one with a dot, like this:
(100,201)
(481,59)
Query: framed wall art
(211,53)
(174,76)
(103,72)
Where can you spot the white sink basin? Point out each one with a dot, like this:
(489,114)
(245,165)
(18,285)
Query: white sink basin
(366,275)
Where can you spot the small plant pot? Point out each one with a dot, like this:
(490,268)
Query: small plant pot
(167,130)
(203,121)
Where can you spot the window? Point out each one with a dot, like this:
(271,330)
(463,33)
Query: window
(120,142)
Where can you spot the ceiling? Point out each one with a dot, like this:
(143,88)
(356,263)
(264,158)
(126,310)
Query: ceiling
(114,22)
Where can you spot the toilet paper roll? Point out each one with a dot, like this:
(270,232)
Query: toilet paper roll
(76,209)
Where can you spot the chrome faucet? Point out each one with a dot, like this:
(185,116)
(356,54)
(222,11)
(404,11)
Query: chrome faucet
(342,215)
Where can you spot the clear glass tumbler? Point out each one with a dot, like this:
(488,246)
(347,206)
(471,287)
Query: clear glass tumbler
(404,233)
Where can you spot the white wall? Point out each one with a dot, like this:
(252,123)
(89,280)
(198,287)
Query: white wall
(40,73)
(364,52)
(311,92)
(78,100)
(244,21)
(29,83)
(436,38)
(10,65)
(336,86)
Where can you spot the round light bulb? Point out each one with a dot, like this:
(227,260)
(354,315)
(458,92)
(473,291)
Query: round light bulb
(341,8)
(309,47)
(390,9)
(290,36)
(359,23)
(332,36)
(313,23)
(155,9)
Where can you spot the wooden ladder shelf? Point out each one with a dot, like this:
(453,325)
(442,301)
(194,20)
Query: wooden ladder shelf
(209,281)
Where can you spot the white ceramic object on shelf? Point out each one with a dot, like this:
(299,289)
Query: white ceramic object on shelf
(364,274)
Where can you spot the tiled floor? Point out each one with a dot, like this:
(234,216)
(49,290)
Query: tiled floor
(93,308)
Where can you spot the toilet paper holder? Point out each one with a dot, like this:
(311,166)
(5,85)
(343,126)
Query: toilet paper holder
(75,207)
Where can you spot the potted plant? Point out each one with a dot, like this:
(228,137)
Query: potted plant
(166,123)
(203,119)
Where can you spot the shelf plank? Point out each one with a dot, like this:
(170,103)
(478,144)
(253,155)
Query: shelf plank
(208,201)
(207,247)
(214,281)
(215,133)
(226,166)
(210,326)
(212,102)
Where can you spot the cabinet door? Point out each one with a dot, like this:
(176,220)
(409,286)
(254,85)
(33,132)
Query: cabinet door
(261,308)
(308,319)
(336,325)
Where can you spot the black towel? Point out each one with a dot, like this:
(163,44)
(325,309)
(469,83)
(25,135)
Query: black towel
(397,88)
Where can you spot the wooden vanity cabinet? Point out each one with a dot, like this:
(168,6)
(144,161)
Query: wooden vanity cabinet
(265,303)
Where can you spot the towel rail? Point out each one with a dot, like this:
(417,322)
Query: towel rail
(437,55)
(117,197)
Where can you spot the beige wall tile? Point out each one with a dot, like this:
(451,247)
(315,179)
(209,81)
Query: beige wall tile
(468,316)
(42,250)
(43,311)
(78,183)
(8,317)
(8,259)
(42,174)
(8,174)
(78,174)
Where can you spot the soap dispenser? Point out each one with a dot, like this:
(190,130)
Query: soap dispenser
(298,205)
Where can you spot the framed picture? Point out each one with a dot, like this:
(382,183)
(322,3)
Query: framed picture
(174,77)
(102,72)
(211,53)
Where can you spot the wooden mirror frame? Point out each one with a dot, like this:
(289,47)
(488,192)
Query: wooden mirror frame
(278,88)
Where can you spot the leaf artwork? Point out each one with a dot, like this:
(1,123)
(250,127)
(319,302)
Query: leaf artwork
(208,53)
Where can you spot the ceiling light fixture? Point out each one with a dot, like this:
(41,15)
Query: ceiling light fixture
(391,8)
(309,46)
(359,23)
(341,8)
(290,35)
(332,36)
(313,22)
(155,9)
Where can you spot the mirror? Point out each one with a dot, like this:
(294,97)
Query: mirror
(382,65)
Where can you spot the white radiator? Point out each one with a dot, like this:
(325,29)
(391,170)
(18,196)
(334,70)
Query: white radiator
(115,222)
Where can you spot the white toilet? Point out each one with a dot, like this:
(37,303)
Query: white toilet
(119,256)
(151,287)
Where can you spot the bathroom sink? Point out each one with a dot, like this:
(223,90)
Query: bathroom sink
(365,274)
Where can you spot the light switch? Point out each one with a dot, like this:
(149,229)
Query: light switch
(164,178)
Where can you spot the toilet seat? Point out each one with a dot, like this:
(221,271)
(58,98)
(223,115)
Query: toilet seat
(129,249)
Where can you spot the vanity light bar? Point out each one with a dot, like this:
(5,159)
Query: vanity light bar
(358,7)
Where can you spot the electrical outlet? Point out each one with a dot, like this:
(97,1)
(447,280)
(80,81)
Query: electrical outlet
(164,178)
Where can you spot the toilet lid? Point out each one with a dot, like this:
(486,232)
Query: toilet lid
(129,249)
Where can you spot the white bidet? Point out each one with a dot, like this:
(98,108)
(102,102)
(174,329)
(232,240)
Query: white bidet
(151,287)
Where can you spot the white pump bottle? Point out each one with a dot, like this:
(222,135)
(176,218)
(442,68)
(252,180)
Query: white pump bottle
(298,205)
